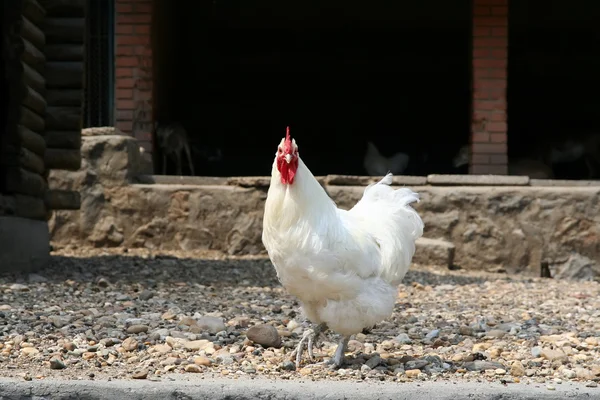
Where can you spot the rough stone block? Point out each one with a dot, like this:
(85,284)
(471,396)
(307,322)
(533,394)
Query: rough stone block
(436,252)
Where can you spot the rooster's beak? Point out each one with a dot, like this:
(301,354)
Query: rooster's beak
(288,158)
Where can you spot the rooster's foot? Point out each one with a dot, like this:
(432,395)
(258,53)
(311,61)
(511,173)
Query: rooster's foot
(308,338)
(338,358)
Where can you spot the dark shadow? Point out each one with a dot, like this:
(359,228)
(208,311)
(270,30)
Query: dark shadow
(164,270)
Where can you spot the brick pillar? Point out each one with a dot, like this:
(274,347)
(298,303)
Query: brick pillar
(488,113)
(133,70)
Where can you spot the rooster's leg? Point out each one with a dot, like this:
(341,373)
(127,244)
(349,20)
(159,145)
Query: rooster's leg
(338,357)
(308,337)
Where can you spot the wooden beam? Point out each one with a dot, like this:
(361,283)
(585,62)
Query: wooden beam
(24,158)
(32,141)
(19,180)
(32,33)
(31,120)
(63,139)
(30,207)
(64,75)
(64,52)
(64,98)
(33,57)
(64,8)
(64,118)
(34,101)
(64,30)
(33,79)
(66,159)
(62,199)
(33,11)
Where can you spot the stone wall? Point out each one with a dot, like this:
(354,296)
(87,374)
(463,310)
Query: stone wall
(503,227)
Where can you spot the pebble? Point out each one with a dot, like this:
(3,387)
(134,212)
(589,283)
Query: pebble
(591,384)
(515,330)
(265,335)
(141,374)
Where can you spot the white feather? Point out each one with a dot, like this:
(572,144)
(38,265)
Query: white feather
(344,266)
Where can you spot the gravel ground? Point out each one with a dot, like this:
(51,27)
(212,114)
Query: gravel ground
(113,314)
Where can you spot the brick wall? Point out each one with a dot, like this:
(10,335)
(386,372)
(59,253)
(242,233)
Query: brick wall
(133,69)
(488,115)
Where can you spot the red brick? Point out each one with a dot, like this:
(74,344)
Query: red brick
(499,116)
(142,51)
(124,115)
(501,11)
(125,50)
(124,61)
(498,159)
(143,7)
(480,159)
(480,137)
(489,63)
(481,53)
(144,95)
(134,19)
(490,42)
(500,54)
(498,31)
(490,105)
(489,21)
(144,84)
(496,126)
(482,10)
(498,137)
(489,169)
(142,29)
(488,148)
(125,126)
(479,31)
(490,2)
(124,8)
(489,84)
(123,72)
(124,93)
(123,104)
(497,73)
(123,29)
(140,40)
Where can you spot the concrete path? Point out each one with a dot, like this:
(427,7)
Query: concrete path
(230,389)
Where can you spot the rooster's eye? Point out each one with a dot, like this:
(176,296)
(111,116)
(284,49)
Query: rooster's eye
(279,150)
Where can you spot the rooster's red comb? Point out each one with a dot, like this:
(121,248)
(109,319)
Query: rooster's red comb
(287,134)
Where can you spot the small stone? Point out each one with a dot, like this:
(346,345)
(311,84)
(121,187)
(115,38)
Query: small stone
(55,363)
(103,282)
(415,364)
(500,371)
(412,373)
(17,287)
(517,369)
(140,374)
(591,384)
(129,344)
(137,329)
(403,338)
(569,373)
(202,361)
(553,355)
(211,324)
(373,361)
(265,335)
(188,321)
(146,295)
(288,366)
(550,387)
(496,333)
(365,369)
(30,351)
(192,368)
(465,330)
(355,346)
(196,345)
(433,334)
(536,351)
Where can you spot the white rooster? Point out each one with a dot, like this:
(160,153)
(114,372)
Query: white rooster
(343,266)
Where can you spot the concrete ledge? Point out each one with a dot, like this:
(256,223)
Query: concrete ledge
(24,244)
(478,180)
(562,182)
(244,388)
